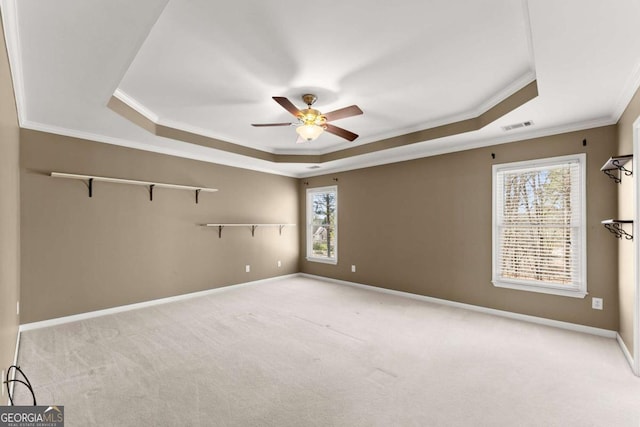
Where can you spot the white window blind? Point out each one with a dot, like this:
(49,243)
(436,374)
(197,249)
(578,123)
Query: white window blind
(539,228)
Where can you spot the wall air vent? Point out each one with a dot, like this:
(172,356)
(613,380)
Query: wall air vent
(517,126)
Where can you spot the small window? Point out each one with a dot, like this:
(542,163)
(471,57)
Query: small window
(322,224)
(539,225)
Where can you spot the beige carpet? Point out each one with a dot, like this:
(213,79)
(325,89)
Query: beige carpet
(304,352)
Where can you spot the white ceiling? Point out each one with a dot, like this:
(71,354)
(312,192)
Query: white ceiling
(211,68)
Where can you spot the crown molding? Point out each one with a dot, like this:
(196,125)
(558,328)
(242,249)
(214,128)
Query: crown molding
(379,157)
(155,121)
(155,125)
(529,34)
(133,103)
(211,156)
(441,147)
(521,82)
(485,106)
(504,106)
(629,90)
(155,118)
(9,12)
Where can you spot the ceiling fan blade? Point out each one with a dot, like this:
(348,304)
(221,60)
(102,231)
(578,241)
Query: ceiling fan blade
(259,125)
(343,113)
(342,133)
(287,105)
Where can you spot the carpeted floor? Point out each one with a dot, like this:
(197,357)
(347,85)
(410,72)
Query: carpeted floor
(303,352)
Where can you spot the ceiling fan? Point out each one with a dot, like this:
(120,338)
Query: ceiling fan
(311,122)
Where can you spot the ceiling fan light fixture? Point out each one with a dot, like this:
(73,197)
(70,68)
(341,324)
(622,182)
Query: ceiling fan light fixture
(310,116)
(311,122)
(309,131)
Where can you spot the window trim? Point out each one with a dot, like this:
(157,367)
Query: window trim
(310,193)
(577,292)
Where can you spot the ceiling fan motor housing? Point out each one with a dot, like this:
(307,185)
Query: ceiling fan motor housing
(309,99)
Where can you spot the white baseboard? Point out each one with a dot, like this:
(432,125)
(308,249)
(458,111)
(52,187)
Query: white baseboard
(517,316)
(135,306)
(625,350)
(508,314)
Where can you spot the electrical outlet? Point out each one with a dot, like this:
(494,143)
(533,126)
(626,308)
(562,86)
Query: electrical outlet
(353,268)
(596,303)
(247,268)
(279,263)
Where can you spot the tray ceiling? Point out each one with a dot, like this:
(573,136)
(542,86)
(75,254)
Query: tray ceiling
(187,78)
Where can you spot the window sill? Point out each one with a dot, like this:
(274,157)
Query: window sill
(323,260)
(542,289)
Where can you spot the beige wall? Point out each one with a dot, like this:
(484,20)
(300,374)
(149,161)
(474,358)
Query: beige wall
(81,254)
(626,211)
(424,226)
(9,215)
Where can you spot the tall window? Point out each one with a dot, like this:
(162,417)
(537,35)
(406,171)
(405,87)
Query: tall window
(539,225)
(322,224)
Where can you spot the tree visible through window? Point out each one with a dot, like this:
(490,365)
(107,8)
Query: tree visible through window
(539,226)
(322,213)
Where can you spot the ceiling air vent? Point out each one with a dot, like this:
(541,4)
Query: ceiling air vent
(517,126)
